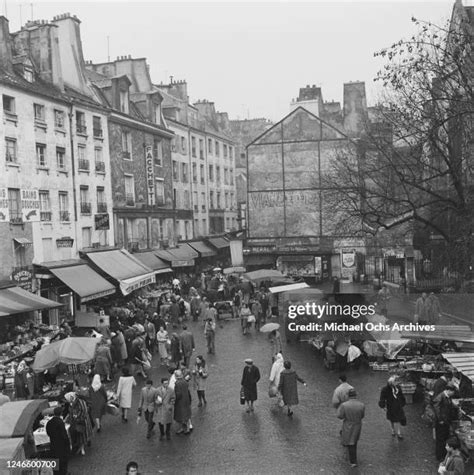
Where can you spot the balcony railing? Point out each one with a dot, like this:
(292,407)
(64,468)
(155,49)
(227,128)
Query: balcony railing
(100,167)
(11,157)
(126,154)
(81,129)
(45,215)
(64,216)
(196,208)
(85,208)
(16,217)
(160,200)
(101,207)
(84,164)
(203,207)
(130,200)
(98,133)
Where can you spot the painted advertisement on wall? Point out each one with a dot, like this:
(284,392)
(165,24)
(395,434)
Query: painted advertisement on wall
(301,165)
(302,213)
(266,215)
(265,168)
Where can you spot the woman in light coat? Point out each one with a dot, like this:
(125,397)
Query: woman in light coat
(276,370)
(162,338)
(124,392)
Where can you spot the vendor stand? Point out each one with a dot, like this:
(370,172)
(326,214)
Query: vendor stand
(12,452)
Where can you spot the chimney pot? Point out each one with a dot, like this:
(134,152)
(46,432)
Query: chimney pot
(307,86)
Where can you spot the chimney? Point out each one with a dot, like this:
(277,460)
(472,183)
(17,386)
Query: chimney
(5,45)
(355,107)
(70,52)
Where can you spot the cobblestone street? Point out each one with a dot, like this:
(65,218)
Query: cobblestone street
(228,440)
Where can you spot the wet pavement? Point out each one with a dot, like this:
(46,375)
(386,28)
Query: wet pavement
(228,440)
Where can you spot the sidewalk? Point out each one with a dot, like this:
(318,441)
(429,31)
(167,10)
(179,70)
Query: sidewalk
(455,308)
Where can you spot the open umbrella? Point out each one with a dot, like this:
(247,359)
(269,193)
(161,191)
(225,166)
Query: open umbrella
(269,327)
(74,350)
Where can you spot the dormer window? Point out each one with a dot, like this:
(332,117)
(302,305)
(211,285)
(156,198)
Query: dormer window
(28,74)
(157,114)
(124,101)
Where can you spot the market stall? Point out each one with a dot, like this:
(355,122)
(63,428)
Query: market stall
(11,452)
(19,419)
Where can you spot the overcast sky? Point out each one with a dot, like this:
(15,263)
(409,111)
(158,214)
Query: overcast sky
(250,59)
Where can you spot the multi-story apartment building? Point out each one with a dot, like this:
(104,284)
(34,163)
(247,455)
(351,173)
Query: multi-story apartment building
(140,153)
(203,147)
(55,149)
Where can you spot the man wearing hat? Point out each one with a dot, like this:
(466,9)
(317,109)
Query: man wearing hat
(446,412)
(182,403)
(351,412)
(250,378)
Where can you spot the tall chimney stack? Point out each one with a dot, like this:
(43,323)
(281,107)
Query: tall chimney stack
(5,45)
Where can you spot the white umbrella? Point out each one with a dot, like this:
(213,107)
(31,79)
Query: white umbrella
(269,327)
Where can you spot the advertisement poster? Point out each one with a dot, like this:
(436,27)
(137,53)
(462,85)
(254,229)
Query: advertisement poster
(273,203)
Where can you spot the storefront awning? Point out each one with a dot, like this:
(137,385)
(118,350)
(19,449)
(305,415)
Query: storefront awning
(17,300)
(181,256)
(459,333)
(85,282)
(123,267)
(203,249)
(151,260)
(463,362)
(219,242)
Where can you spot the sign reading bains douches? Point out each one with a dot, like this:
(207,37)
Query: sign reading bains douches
(15,203)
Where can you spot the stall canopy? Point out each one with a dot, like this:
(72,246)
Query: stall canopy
(151,260)
(17,417)
(130,273)
(202,248)
(287,288)
(85,282)
(459,333)
(11,449)
(265,274)
(181,256)
(73,350)
(17,300)
(219,242)
(463,362)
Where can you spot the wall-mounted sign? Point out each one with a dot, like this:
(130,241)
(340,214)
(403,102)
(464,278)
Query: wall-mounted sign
(348,259)
(102,221)
(150,175)
(23,278)
(65,242)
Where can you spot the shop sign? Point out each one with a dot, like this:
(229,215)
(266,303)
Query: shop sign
(348,258)
(397,253)
(183,263)
(259,250)
(23,278)
(150,175)
(65,242)
(127,288)
(102,222)
(298,249)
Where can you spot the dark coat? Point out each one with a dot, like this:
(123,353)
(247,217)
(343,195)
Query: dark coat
(250,378)
(182,405)
(98,400)
(393,405)
(187,342)
(175,349)
(351,412)
(439,386)
(59,439)
(288,386)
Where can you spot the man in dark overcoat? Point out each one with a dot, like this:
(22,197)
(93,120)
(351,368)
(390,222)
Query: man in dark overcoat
(60,447)
(182,404)
(250,378)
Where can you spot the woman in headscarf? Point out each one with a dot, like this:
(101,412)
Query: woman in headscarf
(393,401)
(81,427)
(276,370)
(288,386)
(98,400)
(21,382)
(162,338)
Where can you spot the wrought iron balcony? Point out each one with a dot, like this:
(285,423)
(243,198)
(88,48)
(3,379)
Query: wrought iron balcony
(102,207)
(64,216)
(85,208)
(100,167)
(84,164)
(45,215)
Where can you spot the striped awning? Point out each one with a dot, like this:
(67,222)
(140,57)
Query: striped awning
(459,333)
(17,300)
(463,362)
